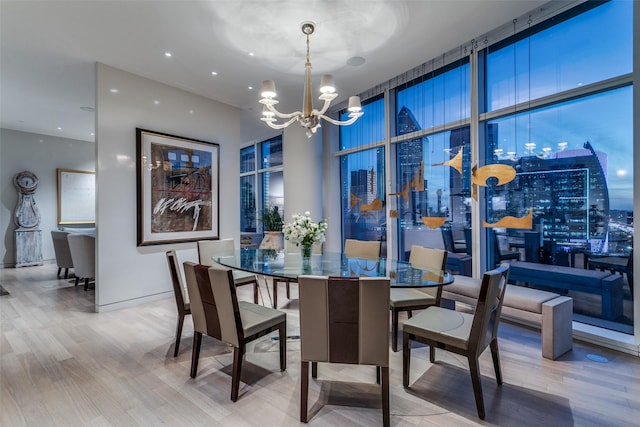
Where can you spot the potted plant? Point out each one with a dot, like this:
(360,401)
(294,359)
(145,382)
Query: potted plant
(272,227)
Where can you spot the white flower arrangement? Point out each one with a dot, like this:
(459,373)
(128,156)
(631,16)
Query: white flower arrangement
(303,231)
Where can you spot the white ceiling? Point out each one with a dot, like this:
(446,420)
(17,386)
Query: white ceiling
(49,48)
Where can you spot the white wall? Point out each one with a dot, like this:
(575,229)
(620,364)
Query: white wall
(40,154)
(128,275)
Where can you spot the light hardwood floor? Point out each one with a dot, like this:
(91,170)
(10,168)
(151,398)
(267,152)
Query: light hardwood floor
(63,365)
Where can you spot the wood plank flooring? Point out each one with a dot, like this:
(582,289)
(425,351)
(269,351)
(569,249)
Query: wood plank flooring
(63,365)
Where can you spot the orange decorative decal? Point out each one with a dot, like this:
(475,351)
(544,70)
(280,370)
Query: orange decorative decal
(504,173)
(354,201)
(455,162)
(434,221)
(375,205)
(512,222)
(393,214)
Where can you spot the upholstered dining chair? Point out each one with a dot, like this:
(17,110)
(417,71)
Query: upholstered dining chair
(207,249)
(292,256)
(365,249)
(344,320)
(181,295)
(83,256)
(217,312)
(498,254)
(61,249)
(450,244)
(409,299)
(462,333)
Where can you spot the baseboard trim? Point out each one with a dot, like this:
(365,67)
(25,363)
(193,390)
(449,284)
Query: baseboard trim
(118,305)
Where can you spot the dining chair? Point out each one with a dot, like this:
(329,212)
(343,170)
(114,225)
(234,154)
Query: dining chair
(208,249)
(344,320)
(409,299)
(365,249)
(462,333)
(61,249)
(292,255)
(181,295)
(500,255)
(449,243)
(217,312)
(83,256)
(622,265)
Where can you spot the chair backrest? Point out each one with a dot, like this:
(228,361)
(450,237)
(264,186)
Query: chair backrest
(61,248)
(344,320)
(429,258)
(487,312)
(83,254)
(224,292)
(366,249)
(207,249)
(468,241)
(447,239)
(179,287)
(203,306)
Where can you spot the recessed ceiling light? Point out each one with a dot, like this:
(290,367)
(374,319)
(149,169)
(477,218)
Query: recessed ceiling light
(59,128)
(250,88)
(191,111)
(355,61)
(168,54)
(214,73)
(250,53)
(113,90)
(156,102)
(92,134)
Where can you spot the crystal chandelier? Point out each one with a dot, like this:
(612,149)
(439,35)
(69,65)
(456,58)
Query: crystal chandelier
(309,118)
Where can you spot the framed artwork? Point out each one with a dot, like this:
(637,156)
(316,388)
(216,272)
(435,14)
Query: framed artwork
(178,199)
(76,196)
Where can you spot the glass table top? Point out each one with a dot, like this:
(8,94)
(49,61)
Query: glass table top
(289,265)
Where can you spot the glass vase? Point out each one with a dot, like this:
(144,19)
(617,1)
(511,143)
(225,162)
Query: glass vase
(306,256)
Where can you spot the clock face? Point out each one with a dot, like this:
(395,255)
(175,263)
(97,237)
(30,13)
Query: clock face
(26,181)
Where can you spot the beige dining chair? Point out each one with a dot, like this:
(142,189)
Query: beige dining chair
(344,320)
(208,249)
(61,249)
(83,256)
(462,333)
(365,249)
(181,295)
(217,312)
(409,299)
(292,256)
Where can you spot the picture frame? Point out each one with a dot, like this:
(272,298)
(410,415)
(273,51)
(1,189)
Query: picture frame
(177,188)
(76,196)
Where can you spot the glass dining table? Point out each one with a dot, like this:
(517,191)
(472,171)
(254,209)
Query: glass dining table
(289,265)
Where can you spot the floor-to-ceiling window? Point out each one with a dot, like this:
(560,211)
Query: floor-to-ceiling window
(362,174)
(558,103)
(261,183)
(432,186)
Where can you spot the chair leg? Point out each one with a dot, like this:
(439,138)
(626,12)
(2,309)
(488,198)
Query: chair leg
(386,419)
(86,284)
(238,355)
(495,354)
(377,374)
(282,335)
(304,391)
(66,273)
(394,329)
(275,293)
(59,270)
(255,292)
(406,359)
(474,368)
(314,369)
(409,314)
(195,353)
(77,280)
(432,353)
(178,334)
(288,291)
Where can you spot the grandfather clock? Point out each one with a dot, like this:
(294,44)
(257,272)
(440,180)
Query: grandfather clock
(27,219)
